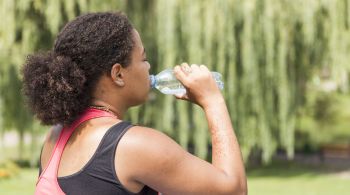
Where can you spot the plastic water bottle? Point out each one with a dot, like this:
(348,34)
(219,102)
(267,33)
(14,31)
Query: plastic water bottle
(167,83)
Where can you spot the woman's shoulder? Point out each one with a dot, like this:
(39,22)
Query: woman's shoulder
(138,137)
(50,141)
(52,136)
(142,149)
(88,133)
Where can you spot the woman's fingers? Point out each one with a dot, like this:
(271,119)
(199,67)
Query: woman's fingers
(194,67)
(203,67)
(186,68)
(199,83)
(180,74)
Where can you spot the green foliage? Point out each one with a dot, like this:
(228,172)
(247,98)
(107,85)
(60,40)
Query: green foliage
(8,169)
(325,108)
(267,51)
(323,120)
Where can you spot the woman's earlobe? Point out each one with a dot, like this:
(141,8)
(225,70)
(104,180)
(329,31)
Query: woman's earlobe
(119,81)
(117,75)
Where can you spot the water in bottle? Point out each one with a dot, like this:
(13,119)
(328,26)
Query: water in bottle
(167,83)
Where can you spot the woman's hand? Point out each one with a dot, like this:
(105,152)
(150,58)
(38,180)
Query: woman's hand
(149,157)
(199,83)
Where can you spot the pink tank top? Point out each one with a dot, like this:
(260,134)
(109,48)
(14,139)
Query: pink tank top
(47,183)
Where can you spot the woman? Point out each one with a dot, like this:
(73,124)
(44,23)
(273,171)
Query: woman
(98,65)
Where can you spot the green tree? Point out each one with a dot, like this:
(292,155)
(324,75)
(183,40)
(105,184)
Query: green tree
(267,51)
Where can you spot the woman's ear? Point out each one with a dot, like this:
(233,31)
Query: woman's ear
(117,74)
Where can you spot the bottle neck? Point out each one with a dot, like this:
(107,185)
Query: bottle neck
(153,81)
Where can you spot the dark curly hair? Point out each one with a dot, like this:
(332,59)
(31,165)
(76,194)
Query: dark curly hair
(59,83)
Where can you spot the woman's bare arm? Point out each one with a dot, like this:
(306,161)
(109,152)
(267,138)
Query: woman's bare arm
(152,158)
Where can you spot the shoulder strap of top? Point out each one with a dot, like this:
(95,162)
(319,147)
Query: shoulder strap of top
(47,182)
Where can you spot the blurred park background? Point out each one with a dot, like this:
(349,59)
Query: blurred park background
(285,64)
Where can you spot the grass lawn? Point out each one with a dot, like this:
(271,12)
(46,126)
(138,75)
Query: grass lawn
(23,184)
(291,179)
(277,179)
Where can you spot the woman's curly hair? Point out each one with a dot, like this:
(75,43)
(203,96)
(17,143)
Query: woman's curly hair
(59,83)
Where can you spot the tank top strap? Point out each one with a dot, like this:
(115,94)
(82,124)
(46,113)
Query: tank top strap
(113,136)
(47,182)
(102,162)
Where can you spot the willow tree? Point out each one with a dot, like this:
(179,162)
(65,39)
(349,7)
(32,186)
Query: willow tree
(266,50)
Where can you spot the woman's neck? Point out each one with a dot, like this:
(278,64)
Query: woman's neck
(98,103)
